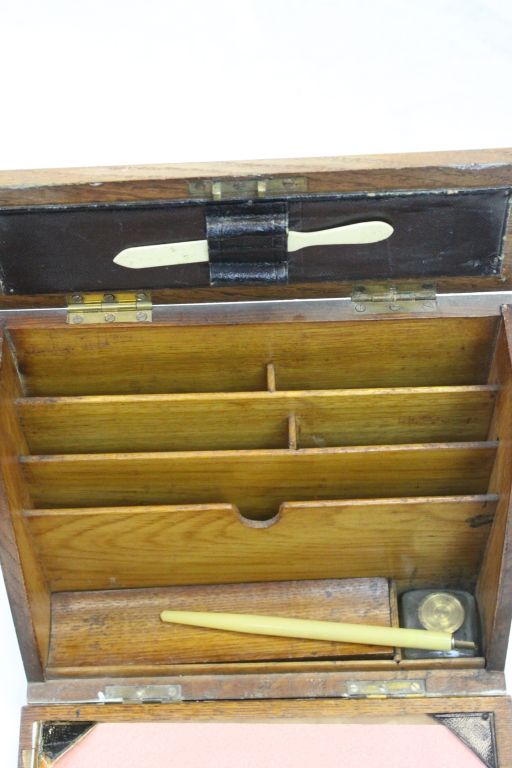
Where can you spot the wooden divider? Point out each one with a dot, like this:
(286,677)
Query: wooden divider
(258,482)
(417,541)
(217,421)
(156,358)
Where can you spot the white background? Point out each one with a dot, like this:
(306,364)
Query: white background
(148,82)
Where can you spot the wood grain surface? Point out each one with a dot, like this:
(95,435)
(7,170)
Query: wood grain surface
(418,542)
(85,624)
(214,358)
(494,589)
(146,440)
(354,663)
(258,482)
(450,680)
(422,170)
(186,422)
(27,590)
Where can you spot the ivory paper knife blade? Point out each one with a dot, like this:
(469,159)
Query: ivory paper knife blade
(193,251)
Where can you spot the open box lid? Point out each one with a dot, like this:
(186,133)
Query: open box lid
(60,230)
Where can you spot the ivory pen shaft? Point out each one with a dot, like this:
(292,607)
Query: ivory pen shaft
(314,630)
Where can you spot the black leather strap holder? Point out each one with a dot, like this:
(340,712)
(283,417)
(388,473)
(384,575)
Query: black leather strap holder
(247,242)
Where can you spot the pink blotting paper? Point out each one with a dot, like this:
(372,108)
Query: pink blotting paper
(265,745)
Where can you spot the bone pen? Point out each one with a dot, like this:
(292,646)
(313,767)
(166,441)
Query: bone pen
(308,629)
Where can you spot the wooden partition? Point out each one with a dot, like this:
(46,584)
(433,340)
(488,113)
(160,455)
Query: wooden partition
(164,359)
(224,421)
(416,541)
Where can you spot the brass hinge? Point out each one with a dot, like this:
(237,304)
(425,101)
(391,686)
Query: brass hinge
(30,757)
(383,297)
(140,694)
(384,689)
(119,307)
(246,189)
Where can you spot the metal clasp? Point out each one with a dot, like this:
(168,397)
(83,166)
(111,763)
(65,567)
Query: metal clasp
(383,689)
(140,694)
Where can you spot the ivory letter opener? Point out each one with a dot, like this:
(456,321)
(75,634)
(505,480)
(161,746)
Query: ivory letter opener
(193,251)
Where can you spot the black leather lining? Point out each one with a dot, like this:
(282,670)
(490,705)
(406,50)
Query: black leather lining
(58,737)
(52,249)
(247,243)
(476,730)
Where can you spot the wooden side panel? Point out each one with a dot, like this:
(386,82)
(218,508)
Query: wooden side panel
(212,422)
(164,359)
(258,482)
(26,587)
(84,625)
(419,542)
(494,589)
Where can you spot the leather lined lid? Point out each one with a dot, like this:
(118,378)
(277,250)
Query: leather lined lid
(59,234)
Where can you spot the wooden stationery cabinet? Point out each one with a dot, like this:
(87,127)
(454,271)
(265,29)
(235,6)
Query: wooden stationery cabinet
(265,418)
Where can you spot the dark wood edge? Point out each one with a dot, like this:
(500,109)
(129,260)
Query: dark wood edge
(17,594)
(255,293)
(447,681)
(499,629)
(467,168)
(266,667)
(506,256)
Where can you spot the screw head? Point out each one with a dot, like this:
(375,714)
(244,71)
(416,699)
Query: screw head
(141,316)
(77,319)
(110,318)
(360,307)
(395,307)
(428,305)
(415,687)
(109,297)
(141,296)
(77,299)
